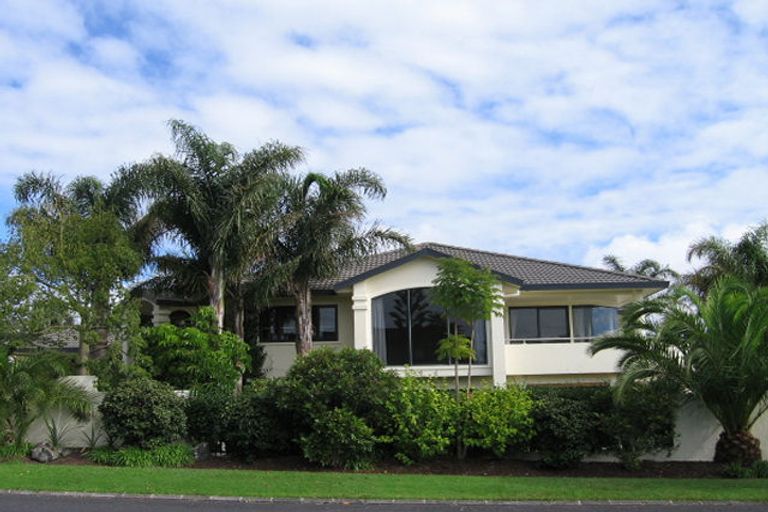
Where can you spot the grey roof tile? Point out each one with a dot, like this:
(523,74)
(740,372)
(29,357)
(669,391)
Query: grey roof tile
(528,273)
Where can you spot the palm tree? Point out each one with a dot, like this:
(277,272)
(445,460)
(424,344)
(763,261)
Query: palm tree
(214,202)
(647,268)
(32,384)
(746,259)
(714,347)
(323,231)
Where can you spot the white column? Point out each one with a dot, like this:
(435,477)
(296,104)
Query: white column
(497,338)
(361,314)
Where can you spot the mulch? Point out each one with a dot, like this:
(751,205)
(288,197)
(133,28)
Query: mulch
(476,466)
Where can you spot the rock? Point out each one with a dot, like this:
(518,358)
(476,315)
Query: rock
(43,452)
(202,451)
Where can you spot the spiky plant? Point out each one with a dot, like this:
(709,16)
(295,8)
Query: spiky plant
(715,347)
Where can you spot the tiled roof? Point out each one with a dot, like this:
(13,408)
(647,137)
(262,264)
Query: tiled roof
(528,273)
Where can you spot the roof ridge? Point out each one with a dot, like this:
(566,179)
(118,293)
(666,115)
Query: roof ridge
(539,260)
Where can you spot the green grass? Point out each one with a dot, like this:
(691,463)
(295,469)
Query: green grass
(294,484)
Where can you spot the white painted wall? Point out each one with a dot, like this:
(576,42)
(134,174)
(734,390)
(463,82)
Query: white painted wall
(558,359)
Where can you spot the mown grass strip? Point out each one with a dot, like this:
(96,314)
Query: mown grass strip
(295,484)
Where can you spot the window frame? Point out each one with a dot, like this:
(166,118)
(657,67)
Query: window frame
(539,339)
(315,325)
(579,339)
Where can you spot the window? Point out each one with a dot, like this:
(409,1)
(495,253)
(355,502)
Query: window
(279,324)
(180,318)
(592,321)
(539,325)
(407,328)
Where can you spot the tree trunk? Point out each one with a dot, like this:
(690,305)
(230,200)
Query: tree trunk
(216,294)
(84,351)
(240,316)
(99,349)
(303,320)
(737,448)
(469,362)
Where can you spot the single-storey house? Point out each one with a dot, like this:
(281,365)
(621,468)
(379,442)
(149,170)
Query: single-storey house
(382,303)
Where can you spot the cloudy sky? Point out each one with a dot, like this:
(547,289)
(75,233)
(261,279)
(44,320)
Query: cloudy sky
(555,129)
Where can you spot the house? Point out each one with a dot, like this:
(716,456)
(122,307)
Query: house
(382,303)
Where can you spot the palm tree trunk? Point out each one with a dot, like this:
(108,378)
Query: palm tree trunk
(240,316)
(737,448)
(303,320)
(216,294)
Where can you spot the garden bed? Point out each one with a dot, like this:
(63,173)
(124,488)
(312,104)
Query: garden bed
(470,466)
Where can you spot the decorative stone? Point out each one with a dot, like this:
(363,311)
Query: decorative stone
(202,451)
(43,452)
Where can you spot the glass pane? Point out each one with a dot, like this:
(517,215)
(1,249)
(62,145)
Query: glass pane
(390,328)
(428,327)
(523,323)
(553,322)
(604,320)
(324,323)
(480,344)
(278,324)
(582,322)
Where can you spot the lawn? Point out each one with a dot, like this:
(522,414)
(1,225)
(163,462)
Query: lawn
(295,484)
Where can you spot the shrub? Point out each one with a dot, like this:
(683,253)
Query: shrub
(200,354)
(563,429)
(208,412)
(169,456)
(496,419)
(13,451)
(256,426)
(351,379)
(339,439)
(422,420)
(759,469)
(143,413)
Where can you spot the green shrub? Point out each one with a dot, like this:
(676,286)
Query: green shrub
(143,413)
(256,426)
(563,428)
(169,456)
(422,420)
(12,451)
(496,419)
(351,379)
(208,412)
(339,439)
(189,356)
(759,469)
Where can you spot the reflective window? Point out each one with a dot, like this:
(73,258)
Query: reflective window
(591,321)
(407,328)
(180,318)
(538,325)
(279,324)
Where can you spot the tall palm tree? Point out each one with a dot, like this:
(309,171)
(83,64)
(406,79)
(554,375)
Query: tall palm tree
(32,384)
(214,202)
(324,230)
(647,268)
(746,259)
(714,347)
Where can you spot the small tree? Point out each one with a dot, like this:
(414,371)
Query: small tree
(468,294)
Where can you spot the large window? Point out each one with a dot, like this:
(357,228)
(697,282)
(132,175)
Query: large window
(407,328)
(592,321)
(279,324)
(552,325)
(539,325)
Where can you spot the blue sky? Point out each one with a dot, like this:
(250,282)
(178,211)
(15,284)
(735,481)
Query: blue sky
(562,130)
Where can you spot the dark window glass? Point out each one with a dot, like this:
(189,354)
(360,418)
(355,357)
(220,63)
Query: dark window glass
(591,321)
(537,325)
(524,323)
(407,328)
(180,318)
(278,324)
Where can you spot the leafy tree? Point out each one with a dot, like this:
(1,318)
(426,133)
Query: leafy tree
(324,231)
(217,203)
(469,294)
(746,259)
(81,264)
(188,357)
(714,347)
(647,268)
(32,384)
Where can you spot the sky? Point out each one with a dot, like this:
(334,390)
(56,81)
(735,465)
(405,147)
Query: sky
(551,129)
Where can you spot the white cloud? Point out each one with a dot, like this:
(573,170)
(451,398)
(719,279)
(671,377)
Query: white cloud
(566,131)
